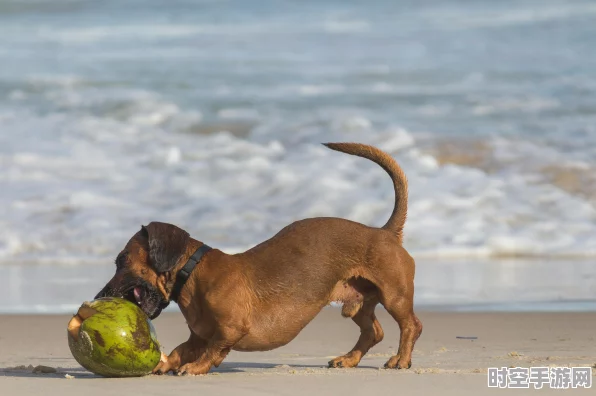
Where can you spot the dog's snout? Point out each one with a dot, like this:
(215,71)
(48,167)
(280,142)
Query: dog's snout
(107,291)
(113,288)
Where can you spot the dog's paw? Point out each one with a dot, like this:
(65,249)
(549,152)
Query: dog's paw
(164,366)
(345,361)
(398,363)
(197,368)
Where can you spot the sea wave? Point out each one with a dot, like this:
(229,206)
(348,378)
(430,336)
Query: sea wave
(87,191)
(210,115)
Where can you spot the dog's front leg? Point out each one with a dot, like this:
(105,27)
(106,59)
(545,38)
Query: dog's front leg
(186,352)
(216,350)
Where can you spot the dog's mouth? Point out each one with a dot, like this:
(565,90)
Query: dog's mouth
(148,299)
(143,295)
(136,294)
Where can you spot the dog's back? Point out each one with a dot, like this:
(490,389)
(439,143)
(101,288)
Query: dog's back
(332,245)
(312,262)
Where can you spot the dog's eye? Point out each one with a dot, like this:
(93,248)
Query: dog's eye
(121,260)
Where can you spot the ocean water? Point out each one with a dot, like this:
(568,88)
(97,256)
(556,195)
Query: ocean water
(443,285)
(209,115)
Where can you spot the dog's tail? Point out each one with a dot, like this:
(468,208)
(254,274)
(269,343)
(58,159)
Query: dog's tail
(400,183)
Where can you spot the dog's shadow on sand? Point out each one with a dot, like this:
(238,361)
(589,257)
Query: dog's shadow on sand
(225,368)
(235,367)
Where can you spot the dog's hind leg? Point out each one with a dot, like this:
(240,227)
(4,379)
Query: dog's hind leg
(398,300)
(371,334)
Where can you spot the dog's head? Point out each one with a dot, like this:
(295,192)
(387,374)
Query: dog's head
(145,269)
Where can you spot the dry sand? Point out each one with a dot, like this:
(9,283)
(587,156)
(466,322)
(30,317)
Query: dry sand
(442,363)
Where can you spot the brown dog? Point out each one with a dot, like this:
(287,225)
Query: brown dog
(261,299)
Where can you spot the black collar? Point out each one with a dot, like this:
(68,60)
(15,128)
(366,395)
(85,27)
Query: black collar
(185,272)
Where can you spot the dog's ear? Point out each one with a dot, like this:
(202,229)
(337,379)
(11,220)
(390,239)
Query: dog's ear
(167,243)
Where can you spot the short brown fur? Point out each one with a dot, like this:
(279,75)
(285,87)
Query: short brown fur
(261,299)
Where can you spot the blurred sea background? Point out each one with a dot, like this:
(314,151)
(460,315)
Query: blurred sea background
(209,115)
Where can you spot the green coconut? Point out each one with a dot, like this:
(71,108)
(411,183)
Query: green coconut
(113,337)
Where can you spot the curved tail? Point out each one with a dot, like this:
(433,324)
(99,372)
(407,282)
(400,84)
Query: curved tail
(400,183)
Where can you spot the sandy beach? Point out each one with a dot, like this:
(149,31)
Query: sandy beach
(442,362)
(209,115)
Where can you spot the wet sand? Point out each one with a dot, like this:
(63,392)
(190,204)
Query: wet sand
(442,363)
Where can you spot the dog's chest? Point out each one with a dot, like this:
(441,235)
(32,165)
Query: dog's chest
(198,323)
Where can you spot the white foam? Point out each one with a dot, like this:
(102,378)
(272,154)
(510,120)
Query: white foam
(100,33)
(346,26)
(352,123)
(317,90)
(232,192)
(508,105)
(92,148)
(516,15)
(238,113)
